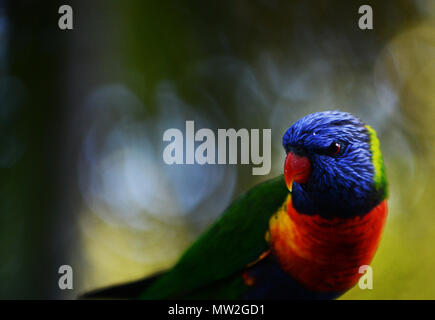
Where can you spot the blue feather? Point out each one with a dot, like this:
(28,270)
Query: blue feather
(340,185)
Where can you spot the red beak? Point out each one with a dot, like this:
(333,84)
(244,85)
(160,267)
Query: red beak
(296,169)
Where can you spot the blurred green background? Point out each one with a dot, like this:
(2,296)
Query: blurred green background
(82,113)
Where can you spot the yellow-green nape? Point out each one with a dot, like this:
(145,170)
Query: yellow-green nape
(380,177)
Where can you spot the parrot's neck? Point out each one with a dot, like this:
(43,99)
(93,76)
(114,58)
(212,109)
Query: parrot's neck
(322,254)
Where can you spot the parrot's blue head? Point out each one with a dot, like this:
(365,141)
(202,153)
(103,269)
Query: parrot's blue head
(334,165)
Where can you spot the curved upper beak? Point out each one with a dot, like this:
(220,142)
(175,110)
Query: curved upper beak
(296,169)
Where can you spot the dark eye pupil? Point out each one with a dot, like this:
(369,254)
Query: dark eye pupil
(334,148)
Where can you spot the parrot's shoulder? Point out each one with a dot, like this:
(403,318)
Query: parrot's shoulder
(234,241)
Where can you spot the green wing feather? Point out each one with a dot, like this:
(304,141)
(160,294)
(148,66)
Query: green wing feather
(232,242)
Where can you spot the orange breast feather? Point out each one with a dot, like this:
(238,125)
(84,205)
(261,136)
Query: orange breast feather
(324,255)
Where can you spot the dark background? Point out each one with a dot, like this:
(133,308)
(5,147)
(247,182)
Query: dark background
(82,113)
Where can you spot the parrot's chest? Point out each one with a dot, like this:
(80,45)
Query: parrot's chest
(325,255)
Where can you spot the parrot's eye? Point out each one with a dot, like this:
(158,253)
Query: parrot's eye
(334,148)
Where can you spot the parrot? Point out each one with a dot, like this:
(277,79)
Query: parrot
(302,235)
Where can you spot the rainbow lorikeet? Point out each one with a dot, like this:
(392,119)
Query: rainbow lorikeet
(302,235)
